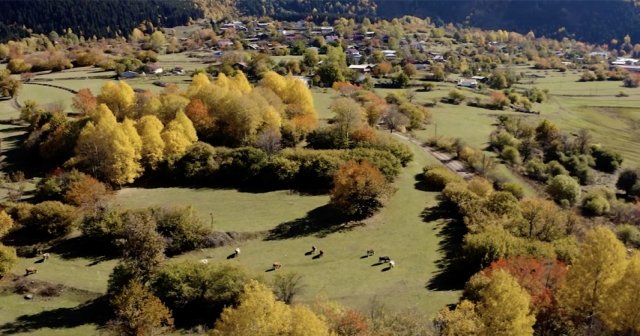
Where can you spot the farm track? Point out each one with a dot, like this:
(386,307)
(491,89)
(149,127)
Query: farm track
(455,166)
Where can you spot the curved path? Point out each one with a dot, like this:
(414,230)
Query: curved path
(456,166)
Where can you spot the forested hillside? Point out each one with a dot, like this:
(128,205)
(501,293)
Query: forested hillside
(88,18)
(593,21)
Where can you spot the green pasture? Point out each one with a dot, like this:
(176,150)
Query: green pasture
(232,210)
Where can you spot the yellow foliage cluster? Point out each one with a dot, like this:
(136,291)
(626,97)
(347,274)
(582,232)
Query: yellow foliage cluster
(260,314)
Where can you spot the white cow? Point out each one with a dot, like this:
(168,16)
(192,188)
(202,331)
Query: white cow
(392,264)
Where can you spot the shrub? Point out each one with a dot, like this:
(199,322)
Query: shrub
(555,168)
(595,205)
(52,218)
(55,186)
(607,160)
(457,96)
(8,259)
(197,290)
(628,234)
(197,164)
(440,177)
(536,169)
(280,172)
(481,249)
(564,188)
(384,161)
(503,139)
(240,165)
(480,186)
(514,188)
(511,155)
(503,203)
(182,227)
(105,226)
(627,180)
(51,290)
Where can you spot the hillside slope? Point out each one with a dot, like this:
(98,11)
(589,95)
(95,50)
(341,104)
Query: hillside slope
(593,21)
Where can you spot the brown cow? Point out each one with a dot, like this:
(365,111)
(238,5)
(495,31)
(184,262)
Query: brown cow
(276,265)
(31,270)
(370,253)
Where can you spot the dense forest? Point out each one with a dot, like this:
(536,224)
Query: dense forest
(88,18)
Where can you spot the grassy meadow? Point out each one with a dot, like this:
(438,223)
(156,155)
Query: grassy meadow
(402,230)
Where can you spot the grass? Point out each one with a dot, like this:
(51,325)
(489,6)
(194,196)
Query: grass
(73,313)
(322,101)
(342,274)
(232,210)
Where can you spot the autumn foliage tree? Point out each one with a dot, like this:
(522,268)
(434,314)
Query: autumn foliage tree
(260,314)
(598,266)
(139,313)
(541,279)
(84,101)
(359,189)
(88,193)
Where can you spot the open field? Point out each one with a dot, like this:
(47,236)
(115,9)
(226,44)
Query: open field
(232,210)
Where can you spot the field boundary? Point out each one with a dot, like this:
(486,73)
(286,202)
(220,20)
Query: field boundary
(54,86)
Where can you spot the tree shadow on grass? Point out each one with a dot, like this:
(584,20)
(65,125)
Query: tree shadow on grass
(450,274)
(91,312)
(320,222)
(422,185)
(83,248)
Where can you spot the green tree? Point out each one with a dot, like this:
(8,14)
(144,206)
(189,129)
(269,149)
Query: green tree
(628,181)
(401,80)
(310,58)
(142,246)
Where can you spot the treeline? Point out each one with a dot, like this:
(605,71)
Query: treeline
(89,18)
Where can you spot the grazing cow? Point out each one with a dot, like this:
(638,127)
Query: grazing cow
(313,249)
(31,270)
(321,253)
(370,253)
(392,264)
(204,261)
(384,259)
(237,251)
(276,265)
(45,256)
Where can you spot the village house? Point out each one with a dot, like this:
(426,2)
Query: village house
(155,69)
(470,83)
(389,54)
(353,53)
(223,43)
(361,68)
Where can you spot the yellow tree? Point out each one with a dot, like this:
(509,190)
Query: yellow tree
(150,128)
(6,223)
(461,321)
(187,126)
(140,313)
(241,82)
(260,314)
(198,83)
(275,83)
(106,150)
(165,106)
(504,307)
(599,264)
(129,128)
(621,303)
(119,97)
(175,140)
